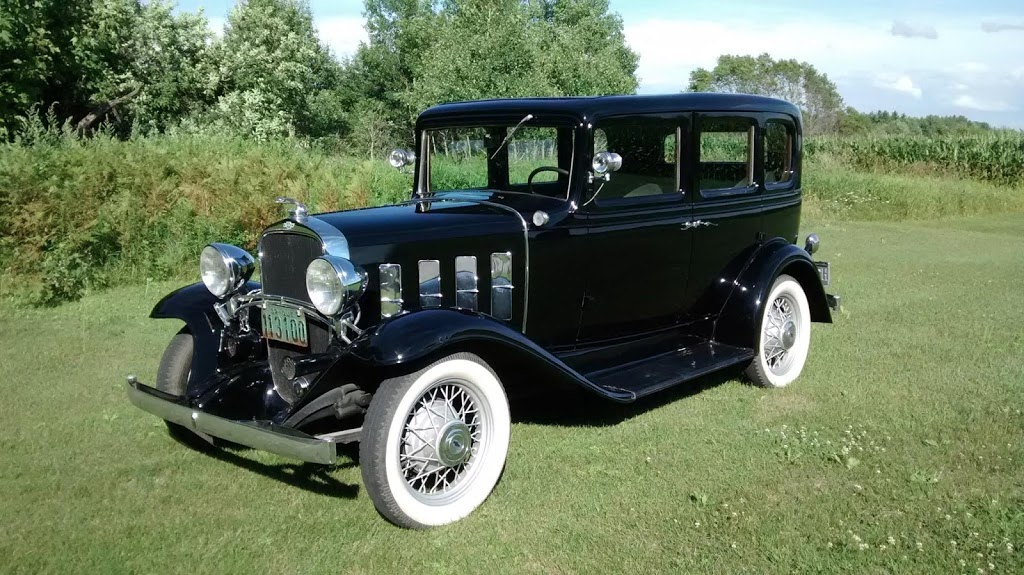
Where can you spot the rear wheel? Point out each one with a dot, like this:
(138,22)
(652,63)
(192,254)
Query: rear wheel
(785,335)
(434,442)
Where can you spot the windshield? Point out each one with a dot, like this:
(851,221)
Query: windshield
(517,157)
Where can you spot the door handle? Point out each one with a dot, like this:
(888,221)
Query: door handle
(696,224)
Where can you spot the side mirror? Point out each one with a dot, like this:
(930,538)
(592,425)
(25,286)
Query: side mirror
(400,158)
(604,164)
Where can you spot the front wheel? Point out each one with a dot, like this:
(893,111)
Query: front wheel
(434,442)
(172,378)
(785,335)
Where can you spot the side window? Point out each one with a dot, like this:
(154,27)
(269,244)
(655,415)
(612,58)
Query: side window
(778,154)
(726,153)
(648,149)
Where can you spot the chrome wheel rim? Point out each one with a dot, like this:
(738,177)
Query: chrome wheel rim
(781,330)
(445,435)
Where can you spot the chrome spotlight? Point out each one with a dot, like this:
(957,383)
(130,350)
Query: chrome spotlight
(400,158)
(606,162)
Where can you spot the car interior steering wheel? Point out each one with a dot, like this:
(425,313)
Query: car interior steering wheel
(529,180)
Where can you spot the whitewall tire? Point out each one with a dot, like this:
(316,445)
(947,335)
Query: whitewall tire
(784,337)
(434,442)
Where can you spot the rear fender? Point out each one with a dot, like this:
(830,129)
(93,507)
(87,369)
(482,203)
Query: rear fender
(738,322)
(193,305)
(425,334)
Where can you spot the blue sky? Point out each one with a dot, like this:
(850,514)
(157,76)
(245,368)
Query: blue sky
(914,56)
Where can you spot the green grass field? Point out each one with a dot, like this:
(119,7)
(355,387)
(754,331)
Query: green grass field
(900,449)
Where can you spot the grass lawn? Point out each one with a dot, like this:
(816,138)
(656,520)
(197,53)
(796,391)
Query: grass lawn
(900,449)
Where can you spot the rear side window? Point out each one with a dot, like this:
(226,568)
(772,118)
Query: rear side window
(778,154)
(726,153)
(648,147)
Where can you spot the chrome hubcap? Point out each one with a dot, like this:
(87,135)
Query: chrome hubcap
(454,444)
(788,335)
(780,334)
(441,442)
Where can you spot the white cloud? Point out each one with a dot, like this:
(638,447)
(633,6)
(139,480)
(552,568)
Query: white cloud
(972,67)
(994,27)
(342,34)
(972,103)
(858,55)
(902,84)
(908,30)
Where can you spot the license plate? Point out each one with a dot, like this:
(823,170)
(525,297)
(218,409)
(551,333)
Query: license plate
(824,272)
(284,324)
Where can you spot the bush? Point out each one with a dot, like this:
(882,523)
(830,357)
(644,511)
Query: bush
(78,214)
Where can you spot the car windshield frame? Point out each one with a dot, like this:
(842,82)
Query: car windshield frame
(500,173)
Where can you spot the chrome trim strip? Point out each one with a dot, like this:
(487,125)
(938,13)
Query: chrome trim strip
(333,241)
(260,435)
(526,239)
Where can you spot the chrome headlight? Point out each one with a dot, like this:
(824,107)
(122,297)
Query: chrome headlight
(334,284)
(225,268)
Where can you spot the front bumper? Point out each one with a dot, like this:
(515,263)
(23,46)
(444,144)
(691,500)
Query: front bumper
(261,435)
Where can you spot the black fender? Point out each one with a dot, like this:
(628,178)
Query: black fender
(737,323)
(193,304)
(425,334)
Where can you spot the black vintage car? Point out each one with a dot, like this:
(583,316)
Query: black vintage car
(622,244)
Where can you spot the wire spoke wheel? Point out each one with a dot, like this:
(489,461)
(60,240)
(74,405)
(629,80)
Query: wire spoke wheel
(444,431)
(785,335)
(780,333)
(434,442)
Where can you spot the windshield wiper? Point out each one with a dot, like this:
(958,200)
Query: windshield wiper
(511,133)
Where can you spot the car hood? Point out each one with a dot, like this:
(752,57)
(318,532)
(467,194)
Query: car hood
(442,216)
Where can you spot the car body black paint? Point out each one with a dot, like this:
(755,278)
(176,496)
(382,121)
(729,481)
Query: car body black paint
(597,285)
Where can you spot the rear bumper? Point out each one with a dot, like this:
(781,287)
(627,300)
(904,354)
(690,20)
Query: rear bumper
(260,435)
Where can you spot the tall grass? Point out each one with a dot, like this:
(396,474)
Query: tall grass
(835,190)
(81,214)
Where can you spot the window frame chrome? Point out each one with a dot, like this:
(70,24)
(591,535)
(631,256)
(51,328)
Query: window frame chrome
(387,301)
(430,300)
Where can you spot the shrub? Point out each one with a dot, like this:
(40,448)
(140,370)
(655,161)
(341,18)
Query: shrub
(82,214)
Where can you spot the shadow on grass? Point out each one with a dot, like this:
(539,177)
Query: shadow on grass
(572,407)
(312,477)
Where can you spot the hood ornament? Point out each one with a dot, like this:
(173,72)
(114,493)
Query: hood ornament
(298,213)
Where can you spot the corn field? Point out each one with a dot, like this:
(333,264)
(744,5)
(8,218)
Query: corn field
(997,158)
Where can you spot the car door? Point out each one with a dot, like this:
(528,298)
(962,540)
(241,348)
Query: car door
(637,242)
(727,199)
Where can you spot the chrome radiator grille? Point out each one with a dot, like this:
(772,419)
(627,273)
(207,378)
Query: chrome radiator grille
(283,261)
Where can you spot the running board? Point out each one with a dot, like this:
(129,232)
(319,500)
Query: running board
(653,374)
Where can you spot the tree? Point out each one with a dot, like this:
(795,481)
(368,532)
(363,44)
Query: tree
(796,82)
(582,47)
(87,59)
(271,63)
(171,64)
(423,52)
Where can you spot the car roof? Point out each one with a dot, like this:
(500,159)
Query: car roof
(585,107)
